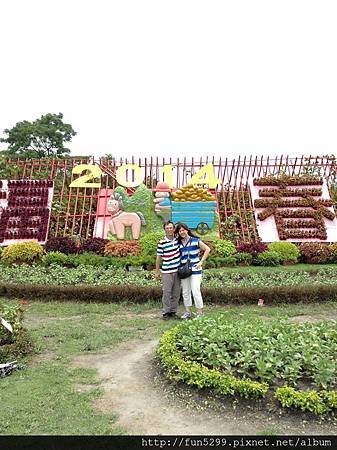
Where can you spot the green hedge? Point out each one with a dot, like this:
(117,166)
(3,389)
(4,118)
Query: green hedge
(141,294)
(317,402)
(82,293)
(192,373)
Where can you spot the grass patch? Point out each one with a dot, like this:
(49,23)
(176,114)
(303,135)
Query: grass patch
(44,399)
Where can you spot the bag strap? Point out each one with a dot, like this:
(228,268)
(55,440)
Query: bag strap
(188,244)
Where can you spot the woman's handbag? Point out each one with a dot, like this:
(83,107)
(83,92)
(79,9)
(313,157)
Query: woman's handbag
(185,270)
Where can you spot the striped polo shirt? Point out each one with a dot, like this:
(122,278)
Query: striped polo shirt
(191,251)
(170,254)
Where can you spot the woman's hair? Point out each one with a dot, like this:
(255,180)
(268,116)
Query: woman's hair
(178,227)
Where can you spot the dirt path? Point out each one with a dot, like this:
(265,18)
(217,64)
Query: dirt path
(141,406)
(147,405)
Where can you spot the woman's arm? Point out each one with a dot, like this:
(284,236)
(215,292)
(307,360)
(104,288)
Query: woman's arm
(206,250)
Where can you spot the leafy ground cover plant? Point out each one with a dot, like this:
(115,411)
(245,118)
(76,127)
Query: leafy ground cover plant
(271,353)
(55,274)
(180,368)
(264,351)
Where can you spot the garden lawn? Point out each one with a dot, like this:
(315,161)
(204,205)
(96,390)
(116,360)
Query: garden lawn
(44,397)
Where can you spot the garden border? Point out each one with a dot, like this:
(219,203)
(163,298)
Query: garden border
(195,374)
(272,295)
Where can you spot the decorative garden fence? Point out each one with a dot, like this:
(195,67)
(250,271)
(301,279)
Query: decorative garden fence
(74,210)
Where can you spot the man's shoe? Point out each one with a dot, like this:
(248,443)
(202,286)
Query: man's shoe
(186,315)
(166,316)
(173,315)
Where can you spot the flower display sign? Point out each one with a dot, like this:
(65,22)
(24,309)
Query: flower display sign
(25,207)
(294,208)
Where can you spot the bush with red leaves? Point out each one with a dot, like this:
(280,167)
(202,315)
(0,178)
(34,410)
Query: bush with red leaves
(61,244)
(95,245)
(315,252)
(122,248)
(254,248)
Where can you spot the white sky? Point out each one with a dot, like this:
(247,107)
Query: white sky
(180,78)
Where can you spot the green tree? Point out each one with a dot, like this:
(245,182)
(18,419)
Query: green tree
(45,137)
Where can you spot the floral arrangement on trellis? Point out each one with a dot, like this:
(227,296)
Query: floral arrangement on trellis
(301,217)
(25,209)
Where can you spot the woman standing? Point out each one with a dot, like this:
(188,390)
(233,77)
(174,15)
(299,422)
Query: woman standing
(190,246)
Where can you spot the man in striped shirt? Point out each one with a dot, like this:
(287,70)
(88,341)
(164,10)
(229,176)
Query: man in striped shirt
(168,258)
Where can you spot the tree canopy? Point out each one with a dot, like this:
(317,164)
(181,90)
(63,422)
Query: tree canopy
(45,137)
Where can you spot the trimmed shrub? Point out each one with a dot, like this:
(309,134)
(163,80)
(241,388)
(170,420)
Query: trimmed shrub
(317,402)
(149,242)
(268,258)
(288,252)
(254,248)
(87,259)
(210,263)
(55,258)
(218,261)
(226,261)
(83,293)
(94,245)
(141,294)
(122,248)
(224,248)
(22,252)
(17,343)
(333,252)
(91,259)
(314,252)
(22,345)
(243,259)
(61,244)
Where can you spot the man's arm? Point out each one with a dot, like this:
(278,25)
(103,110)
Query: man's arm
(158,264)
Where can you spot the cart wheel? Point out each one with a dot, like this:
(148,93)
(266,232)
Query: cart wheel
(202,228)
